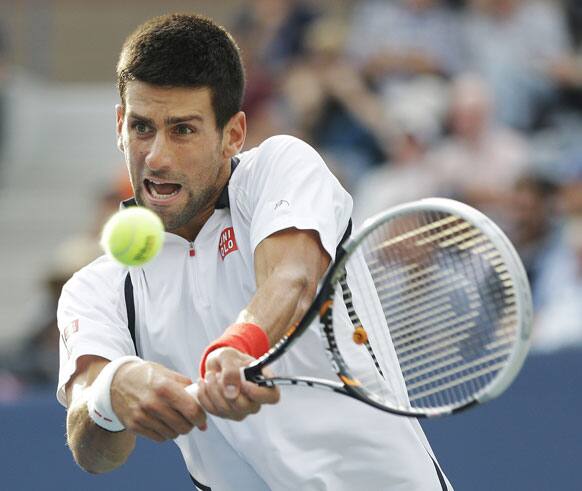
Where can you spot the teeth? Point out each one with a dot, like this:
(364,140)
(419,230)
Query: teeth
(159,182)
(157,195)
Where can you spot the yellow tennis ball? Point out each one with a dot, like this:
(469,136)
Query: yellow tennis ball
(133,236)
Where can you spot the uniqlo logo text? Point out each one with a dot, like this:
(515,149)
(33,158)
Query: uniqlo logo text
(227,242)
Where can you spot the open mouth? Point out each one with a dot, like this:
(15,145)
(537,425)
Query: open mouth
(161,191)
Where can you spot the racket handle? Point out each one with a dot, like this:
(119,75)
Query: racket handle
(193,391)
(252,373)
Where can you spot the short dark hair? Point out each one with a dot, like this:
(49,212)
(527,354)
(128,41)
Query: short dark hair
(185,50)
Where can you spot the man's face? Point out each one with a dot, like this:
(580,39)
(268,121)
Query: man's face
(178,160)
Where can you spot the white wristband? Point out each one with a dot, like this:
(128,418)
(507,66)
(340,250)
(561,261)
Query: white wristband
(99,400)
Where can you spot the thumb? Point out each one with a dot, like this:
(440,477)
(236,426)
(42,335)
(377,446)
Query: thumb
(230,377)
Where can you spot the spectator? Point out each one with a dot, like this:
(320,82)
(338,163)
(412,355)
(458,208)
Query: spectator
(559,321)
(271,36)
(566,71)
(407,175)
(331,106)
(396,44)
(512,45)
(394,41)
(480,160)
(271,33)
(535,230)
(573,10)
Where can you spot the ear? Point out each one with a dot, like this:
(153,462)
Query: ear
(119,116)
(234,134)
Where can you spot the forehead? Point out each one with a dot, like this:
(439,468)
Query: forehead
(157,101)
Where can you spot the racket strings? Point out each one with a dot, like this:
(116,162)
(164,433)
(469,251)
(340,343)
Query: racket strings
(439,306)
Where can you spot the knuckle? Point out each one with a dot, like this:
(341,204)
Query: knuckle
(183,427)
(255,408)
(184,430)
(132,426)
(196,416)
(139,419)
(225,410)
(160,388)
(147,406)
(242,406)
(272,396)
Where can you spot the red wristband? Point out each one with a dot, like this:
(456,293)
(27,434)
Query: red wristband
(244,336)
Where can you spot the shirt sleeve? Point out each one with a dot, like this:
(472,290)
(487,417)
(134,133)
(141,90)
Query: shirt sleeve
(290,186)
(92,319)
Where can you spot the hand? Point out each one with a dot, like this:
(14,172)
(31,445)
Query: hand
(224,394)
(150,400)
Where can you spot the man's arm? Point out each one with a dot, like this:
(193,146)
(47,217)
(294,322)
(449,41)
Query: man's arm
(148,398)
(94,449)
(288,267)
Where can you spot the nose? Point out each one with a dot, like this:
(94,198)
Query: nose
(159,153)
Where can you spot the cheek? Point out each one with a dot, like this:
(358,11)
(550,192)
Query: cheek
(135,152)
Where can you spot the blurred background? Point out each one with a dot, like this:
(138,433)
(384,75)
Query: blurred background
(478,100)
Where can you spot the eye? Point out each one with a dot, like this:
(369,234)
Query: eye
(141,127)
(183,129)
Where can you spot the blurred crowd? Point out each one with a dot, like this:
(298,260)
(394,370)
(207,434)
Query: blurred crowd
(478,100)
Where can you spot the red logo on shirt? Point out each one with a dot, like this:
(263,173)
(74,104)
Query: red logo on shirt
(227,243)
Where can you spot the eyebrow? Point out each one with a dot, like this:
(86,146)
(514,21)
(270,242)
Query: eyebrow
(168,121)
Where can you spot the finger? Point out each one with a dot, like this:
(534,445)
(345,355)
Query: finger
(214,392)
(261,395)
(161,427)
(145,423)
(178,377)
(242,406)
(204,400)
(230,378)
(212,397)
(185,404)
(174,420)
(148,433)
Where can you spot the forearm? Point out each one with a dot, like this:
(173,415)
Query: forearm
(96,450)
(279,302)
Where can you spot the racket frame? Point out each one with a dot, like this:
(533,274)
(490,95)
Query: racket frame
(322,307)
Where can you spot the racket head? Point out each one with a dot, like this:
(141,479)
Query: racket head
(438,306)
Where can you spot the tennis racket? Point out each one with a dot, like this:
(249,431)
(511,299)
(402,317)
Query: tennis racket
(426,311)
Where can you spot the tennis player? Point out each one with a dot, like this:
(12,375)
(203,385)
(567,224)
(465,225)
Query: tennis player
(249,235)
